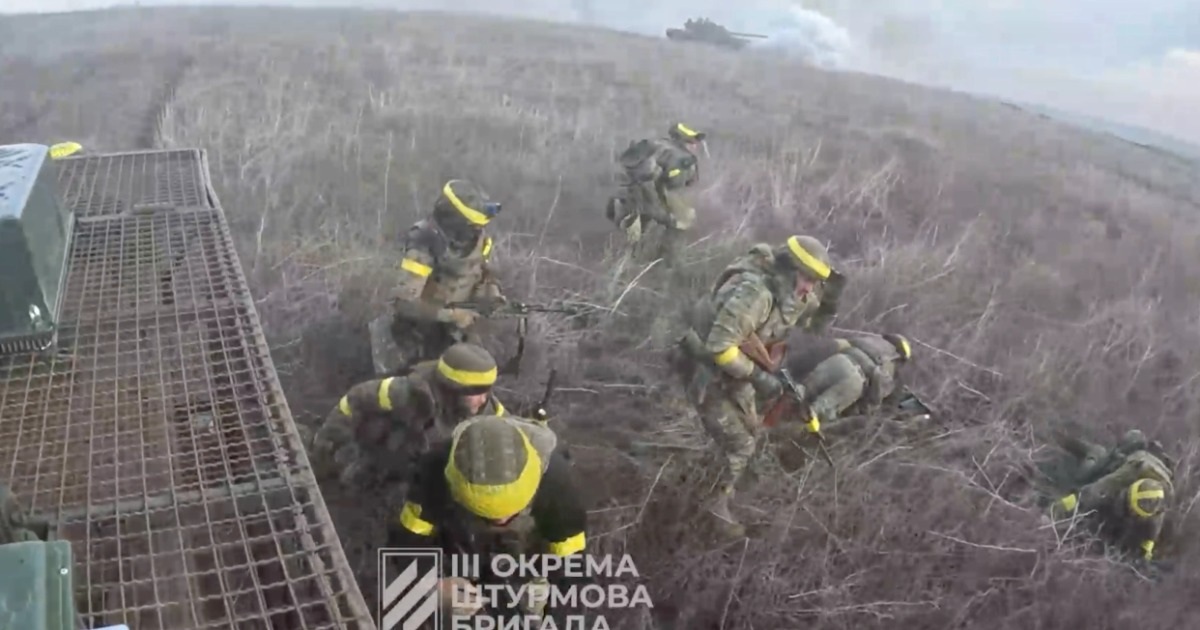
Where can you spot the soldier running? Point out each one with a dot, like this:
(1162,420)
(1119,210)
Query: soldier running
(755,302)
(379,425)
(445,260)
(498,485)
(653,174)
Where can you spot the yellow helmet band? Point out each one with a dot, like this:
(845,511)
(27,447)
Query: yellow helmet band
(1136,494)
(471,214)
(497,501)
(466,377)
(808,260)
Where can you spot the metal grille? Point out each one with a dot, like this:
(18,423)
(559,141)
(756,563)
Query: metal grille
(157,440)
(115,184)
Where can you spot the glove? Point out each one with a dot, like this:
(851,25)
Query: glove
(766,385)
(536,596)
(460,317)
(459,597)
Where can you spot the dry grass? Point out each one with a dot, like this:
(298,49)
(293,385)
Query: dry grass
(1048,275)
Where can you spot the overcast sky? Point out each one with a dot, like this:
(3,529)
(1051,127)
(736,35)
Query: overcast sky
(1133,62)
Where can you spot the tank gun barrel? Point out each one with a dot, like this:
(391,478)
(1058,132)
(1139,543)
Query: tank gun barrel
(754,35)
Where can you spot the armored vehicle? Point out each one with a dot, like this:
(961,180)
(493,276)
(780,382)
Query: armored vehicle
(151,474)
(708,32)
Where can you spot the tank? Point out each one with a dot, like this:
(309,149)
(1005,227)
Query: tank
(34,235)
(708,32)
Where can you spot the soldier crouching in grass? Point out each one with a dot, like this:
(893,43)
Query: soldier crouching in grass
(375,430)
(498,485)
(446,260)
(755,303)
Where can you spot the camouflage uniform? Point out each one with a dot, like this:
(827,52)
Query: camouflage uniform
(756,295)
(1126,490)
(840,374)
(654,174)
(445,260)
(377,427)
(495,486)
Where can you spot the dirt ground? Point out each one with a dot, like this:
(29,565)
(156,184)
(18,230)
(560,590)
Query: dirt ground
(1048,277)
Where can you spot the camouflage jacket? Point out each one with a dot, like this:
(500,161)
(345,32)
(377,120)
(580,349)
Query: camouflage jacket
(746,300)
(663,161)
(875,356)
(1108,499)
(393,415)
(432,274)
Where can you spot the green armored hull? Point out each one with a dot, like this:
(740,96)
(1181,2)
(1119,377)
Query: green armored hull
(34,236)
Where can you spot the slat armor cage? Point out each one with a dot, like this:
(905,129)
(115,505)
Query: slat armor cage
(155,436)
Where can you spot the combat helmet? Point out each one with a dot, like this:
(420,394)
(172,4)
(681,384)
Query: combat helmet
(806,255)
(1147,497)
(493,470)
(683,133)
(462,208)
(466,369)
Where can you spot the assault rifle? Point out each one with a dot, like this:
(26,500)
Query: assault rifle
(496,309)
(909,401)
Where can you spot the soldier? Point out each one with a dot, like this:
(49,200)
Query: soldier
(445,260)
(754,304)
(848,374)
(498,485)
(378,425)
(654,173)
(1126,489)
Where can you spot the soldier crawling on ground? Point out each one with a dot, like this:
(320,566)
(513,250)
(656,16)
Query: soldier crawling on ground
(852,375)
(653,174)
(445,261)
(376,429)
(1124,491)
(755,303)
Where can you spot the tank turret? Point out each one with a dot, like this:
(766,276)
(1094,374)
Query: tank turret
(706,31)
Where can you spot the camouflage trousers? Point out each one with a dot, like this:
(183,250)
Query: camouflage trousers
(636,206)
(726,411)
(835,385)
(396,345)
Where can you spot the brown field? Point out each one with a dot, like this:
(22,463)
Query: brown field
(1050,277)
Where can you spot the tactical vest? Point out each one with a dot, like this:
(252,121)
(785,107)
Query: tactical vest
(1149,466)
(454,276)
(649,160)
(755,266)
